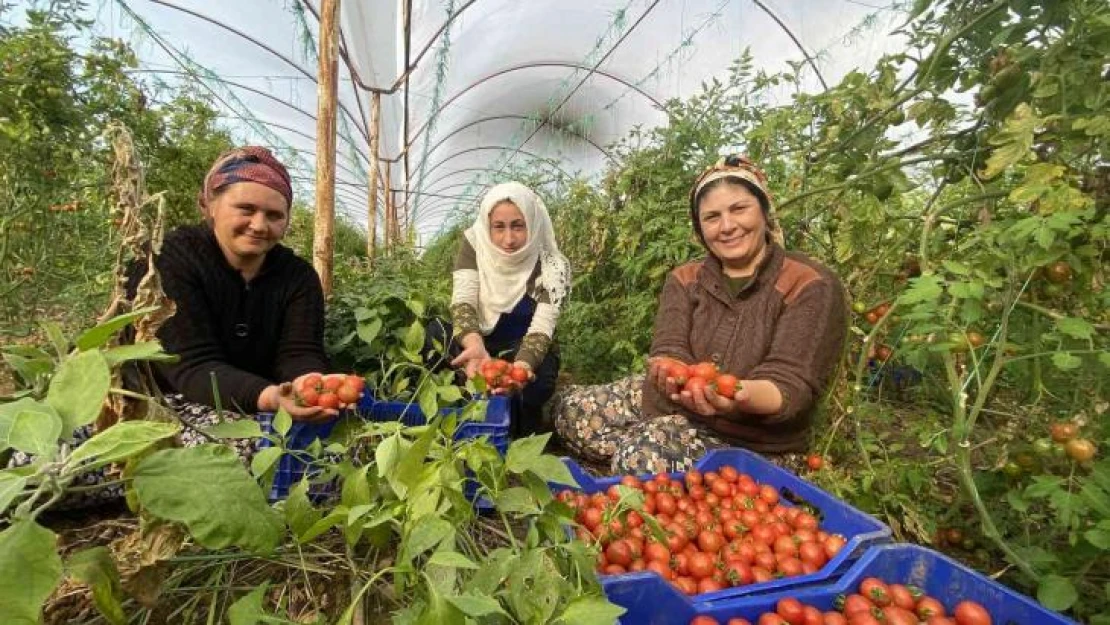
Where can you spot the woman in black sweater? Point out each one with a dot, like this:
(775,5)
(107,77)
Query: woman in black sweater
(249,313)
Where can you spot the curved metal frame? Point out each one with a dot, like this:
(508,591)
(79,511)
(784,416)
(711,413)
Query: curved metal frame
(524,66)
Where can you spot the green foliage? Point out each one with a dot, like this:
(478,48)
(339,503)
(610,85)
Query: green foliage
(55,102)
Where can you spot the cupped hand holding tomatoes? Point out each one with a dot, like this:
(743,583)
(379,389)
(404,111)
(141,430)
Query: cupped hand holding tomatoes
(319,397)
(722,396)
(503,377)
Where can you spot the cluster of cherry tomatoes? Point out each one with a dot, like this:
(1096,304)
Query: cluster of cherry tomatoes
(720,529)
(876,603)
(334,390)
(503,375)
(696,377)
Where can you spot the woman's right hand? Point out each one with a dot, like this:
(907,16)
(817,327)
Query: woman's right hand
(659,372)
(473,354)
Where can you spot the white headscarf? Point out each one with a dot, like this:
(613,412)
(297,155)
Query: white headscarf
(503,277)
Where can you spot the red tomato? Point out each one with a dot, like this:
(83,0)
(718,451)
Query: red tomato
(894,615)
(686,585)
(615,569)
(696,385)
(678,371)
(632,481)
(833,545)
(856,603)
(939,620)
(709,584)
(701,565)
(738,573)
(812,616)
(309,397)
(704,620)
(971,613)
(726,385)
(901,596)
(328,400)
(812,553)
(519,375)
(927,607)
(768,494)
(331,382)
(705,370)
(815,462)
(311,381)
(791,567)
(876,590)
(618,552)
(791,611)
(347,394)
(661,569)
(591,518)
(736,620)
(834,618)
(770,618)
(656,551)
(356,382)
(864,618)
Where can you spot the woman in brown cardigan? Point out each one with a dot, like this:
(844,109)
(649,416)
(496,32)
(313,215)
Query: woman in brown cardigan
(774,319)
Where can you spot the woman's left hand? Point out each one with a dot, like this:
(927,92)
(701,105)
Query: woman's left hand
(520,364)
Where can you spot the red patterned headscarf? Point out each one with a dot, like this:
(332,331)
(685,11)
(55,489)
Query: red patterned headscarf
(247,164)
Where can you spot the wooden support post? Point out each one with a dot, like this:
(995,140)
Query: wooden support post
(372,192)
(323,242)
(389,215)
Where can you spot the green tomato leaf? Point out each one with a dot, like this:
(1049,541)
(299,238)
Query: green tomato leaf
(523,452)
(299,513)
(30,427)
(150,350)
(265,460)
(79,388)
(452,559)
(591,611)
(369,330)
(95,568)
(1075,327)
(207,489)
(235,428)
(30,569)
(11,486)
(1057,593)
(101,334)
(122,440)
(476,606)
(247,610)
(427,534)
(1065,361)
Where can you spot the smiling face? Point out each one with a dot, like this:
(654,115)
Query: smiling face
(508,229)
(249,219)
(733,226)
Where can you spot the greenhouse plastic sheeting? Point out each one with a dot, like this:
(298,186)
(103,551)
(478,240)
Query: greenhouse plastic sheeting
(507,86)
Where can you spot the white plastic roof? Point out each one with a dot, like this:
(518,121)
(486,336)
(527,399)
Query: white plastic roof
(495,86)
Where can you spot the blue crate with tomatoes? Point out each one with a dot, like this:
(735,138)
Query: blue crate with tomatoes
(767,528)
(890,585)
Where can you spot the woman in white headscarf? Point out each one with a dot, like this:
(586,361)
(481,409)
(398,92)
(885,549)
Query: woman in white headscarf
(510,281)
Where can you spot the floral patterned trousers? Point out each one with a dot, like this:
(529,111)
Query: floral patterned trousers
(603,425)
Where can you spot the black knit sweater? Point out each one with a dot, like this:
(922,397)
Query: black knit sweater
(249,334)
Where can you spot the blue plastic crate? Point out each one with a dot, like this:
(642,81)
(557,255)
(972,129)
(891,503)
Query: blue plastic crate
(640,591)
(495,426)
(939,576)
(291,466)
